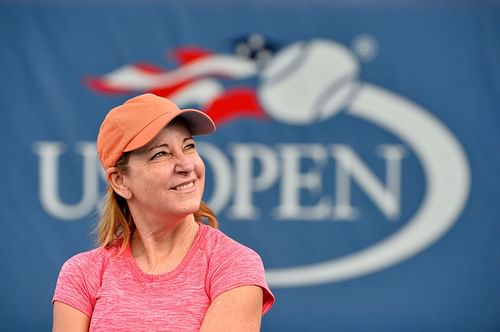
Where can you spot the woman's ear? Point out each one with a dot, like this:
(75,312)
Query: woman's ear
(116,180)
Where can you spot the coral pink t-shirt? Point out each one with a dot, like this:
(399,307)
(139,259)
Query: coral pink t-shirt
(118,296)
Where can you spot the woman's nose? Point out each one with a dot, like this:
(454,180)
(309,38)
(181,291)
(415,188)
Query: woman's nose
(184,164)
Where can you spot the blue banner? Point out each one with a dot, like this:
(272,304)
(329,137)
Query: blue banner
(357,148)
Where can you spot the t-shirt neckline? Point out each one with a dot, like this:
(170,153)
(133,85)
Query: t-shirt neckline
(143,276)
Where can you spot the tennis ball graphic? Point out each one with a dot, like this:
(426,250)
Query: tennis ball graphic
(308,81)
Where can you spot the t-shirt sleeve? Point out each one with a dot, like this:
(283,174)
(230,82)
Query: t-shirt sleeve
(234,265)
(78,282)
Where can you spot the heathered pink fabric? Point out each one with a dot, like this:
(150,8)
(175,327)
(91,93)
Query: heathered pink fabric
(118,296)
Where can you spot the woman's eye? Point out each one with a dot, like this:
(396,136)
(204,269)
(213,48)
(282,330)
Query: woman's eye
(190,146)
(159,154)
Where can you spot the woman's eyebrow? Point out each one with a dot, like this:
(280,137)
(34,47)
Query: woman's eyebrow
(164,145)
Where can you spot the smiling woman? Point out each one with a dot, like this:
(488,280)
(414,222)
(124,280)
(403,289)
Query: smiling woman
(159,266)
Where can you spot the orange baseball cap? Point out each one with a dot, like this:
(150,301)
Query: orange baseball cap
(137,121)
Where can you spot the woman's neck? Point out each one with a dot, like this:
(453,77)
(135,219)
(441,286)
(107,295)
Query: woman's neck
(158,249)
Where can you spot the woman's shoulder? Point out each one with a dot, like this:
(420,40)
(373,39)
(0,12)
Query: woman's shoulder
(232,264)
(90,259)
(80,278)
(215,239)
(221,248)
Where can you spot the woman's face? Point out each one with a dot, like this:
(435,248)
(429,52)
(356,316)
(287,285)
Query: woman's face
(167,176)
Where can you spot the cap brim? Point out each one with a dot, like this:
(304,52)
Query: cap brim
(198,122)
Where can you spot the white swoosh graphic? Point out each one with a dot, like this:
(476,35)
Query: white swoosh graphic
(132,78)
(447,177)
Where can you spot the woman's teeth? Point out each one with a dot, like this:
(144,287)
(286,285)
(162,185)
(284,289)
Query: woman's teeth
(185,186)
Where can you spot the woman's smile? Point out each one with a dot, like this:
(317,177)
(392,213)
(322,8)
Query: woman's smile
(184,187)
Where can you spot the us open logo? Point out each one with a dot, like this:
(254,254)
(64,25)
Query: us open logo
(305,87)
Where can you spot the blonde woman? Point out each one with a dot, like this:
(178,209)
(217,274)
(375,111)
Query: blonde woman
(159,266)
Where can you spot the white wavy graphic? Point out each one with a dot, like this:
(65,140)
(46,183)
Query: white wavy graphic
(132,78)
(447,177)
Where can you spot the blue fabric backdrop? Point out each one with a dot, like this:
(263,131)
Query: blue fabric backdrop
(356,151)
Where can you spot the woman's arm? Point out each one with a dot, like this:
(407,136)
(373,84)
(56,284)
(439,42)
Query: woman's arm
(238,309)
(67,318)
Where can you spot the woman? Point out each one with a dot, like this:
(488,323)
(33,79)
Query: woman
(159,267)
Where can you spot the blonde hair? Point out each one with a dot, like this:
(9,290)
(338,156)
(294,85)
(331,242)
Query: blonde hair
(116,225)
